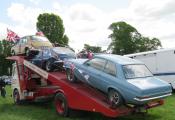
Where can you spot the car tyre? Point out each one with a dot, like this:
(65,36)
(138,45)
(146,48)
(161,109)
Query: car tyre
(16,97)
(49,66)
(70,75)
(61,105)
(115,99)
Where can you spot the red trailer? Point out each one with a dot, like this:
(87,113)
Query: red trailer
(31,83)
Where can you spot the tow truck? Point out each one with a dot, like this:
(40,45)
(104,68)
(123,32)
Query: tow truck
(31,83)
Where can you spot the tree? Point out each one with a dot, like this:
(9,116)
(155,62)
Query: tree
(126,39)
(52,27)
(94,49)
(65,39)
(150,44)
(5,65)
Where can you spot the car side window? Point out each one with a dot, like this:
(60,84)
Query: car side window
(110,68)
(97,63)
(46,52)
(20,41)
(23,41)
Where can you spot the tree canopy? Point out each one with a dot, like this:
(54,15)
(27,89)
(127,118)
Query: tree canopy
(94,49)
(52,27)
(5,65)
(126,40)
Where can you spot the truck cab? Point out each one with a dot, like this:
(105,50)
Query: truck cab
(27,85)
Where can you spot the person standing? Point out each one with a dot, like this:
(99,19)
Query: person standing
(2,87)
(89,55)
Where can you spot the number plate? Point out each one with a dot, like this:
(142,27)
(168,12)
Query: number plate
(154,103)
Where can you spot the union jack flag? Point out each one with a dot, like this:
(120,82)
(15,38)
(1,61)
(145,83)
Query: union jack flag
(12,36)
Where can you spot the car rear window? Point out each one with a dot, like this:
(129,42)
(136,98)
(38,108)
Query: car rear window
(136,71)
(39,38)
(64,50)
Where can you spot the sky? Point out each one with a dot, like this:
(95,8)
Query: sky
(87,21)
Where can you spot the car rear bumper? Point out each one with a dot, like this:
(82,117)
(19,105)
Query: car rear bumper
(151,98)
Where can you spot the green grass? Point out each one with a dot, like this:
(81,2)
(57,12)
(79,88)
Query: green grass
(33,111)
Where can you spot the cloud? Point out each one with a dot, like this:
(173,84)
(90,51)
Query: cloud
(85,23)
(84,17)
(153,8)
(56,6)
(24,18)
(22,14)
(3,30)
(152,18)
(36,2)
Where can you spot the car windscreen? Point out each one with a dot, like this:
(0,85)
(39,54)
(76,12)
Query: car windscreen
(39,38)
(64,50)
(46,53)
(136,71)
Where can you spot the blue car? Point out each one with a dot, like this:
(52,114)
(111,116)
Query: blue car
(52,58)
(123,80)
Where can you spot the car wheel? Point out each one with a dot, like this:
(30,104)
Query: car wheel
(13,53)
(49,66)
(16,97)
(115,99)
(70,75)
(27,52)
(61,105)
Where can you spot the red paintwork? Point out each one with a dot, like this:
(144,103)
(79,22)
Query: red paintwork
(79,96)
(59,106)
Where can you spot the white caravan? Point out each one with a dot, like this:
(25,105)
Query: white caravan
(160,62)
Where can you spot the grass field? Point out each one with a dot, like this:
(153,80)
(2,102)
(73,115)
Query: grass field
(33,111)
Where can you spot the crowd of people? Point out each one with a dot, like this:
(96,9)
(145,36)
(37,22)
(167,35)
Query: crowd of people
(85,54)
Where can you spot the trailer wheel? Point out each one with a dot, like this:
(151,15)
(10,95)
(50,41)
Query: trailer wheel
(115,99)
(70,75)
(16,97)
(61,105)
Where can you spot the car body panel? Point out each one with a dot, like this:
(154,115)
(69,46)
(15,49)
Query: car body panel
(30,43)
(128,88)
(47,54)
(38,44)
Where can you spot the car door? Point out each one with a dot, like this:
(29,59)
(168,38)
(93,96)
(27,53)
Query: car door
(95,69)
(110,75)
(16,47)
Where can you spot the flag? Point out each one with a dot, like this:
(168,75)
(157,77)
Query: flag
(12,36)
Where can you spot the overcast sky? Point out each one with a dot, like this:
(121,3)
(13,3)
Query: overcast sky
(87,21)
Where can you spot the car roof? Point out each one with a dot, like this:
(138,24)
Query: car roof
(119,59)
(31,36)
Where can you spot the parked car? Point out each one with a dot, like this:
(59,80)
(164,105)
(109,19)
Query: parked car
(30,43)
(53,58)
(123,80)
(8,81)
